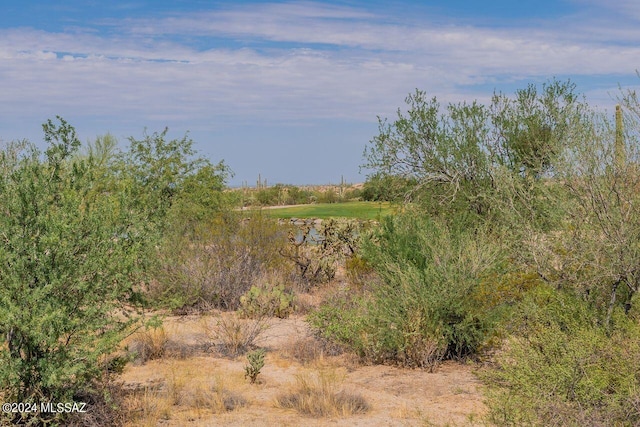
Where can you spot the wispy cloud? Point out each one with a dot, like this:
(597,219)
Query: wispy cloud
(296,61)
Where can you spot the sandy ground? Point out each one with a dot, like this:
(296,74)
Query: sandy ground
(397,397)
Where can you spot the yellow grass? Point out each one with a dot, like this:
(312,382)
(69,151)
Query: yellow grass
(190,389)
(319,396)
(300,384)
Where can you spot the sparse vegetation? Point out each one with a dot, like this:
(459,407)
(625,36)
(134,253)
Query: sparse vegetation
(305,350)
(181,395)
(148,344)
(216,263)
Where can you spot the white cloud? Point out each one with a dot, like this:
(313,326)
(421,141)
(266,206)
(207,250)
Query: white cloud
(291,61)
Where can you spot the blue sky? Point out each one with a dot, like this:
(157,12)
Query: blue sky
(291,90)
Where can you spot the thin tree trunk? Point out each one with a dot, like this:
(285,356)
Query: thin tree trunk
(612,302)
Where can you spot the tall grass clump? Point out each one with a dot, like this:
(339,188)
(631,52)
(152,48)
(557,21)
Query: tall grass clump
(320,397)
(232,336)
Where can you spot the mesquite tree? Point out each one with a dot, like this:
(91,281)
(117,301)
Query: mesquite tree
(454,154)
(68,254)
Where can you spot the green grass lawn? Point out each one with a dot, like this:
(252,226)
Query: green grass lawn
(362,210)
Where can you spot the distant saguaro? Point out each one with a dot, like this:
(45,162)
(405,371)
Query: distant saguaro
(620,151)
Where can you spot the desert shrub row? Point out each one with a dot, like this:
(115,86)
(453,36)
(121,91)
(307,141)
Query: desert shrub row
(519,245)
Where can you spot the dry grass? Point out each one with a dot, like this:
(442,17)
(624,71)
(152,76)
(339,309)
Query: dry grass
(232,336)
(213,397)
(147,408)
(306,350)
(186,392)
(318,396)
(310,350)
(158,343)
(403,411)
(302,383)
(148,344)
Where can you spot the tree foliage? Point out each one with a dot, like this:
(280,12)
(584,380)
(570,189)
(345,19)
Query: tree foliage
(454,153)
(158,171)
(67,269)
(596,253)
(531,130)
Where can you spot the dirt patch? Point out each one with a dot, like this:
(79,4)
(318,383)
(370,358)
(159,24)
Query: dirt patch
(177,391)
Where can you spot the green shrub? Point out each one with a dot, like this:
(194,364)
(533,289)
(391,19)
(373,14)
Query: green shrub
(341,318)
(267,196)
(424,310)
(295,195)
(267,301)
(327,196)
(67,267)
(379,188)
(562,367)
(279,194)
(352,194)
(358,270)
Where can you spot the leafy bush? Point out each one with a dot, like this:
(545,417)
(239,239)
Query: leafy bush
(267,196)
(327,196)
(359,271)
(571,351)
(341,318)
(424,309)
(278,194)
(387,188)
(352,194)
(68,262)
(562,367)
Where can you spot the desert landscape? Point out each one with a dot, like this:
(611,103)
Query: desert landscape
(486,273)
(183,381)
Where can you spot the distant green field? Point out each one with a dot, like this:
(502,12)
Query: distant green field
(362,210)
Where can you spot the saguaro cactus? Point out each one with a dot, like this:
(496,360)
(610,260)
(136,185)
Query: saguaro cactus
(620,153)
